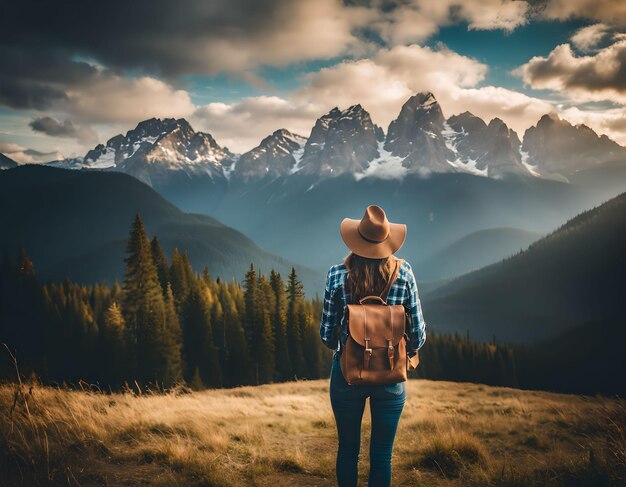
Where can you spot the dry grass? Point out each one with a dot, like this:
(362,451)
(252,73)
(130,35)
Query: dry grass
(284,434)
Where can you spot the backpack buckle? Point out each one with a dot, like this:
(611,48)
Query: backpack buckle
(367,353)
(390,352)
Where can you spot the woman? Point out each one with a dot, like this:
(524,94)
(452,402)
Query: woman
(365,271)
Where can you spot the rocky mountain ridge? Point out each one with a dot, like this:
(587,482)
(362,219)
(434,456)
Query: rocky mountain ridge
(420,140)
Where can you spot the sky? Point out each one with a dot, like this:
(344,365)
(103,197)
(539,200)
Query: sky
(76,73)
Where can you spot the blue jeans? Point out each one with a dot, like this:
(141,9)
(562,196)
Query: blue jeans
(348,403)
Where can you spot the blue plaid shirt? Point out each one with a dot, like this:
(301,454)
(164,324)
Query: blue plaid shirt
(403,291)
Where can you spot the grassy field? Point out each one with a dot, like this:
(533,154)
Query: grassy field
(284,435)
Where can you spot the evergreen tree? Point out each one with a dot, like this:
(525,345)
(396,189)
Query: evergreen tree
(263,349)
(239,365)
(178,278)
(160,260)
(283,363)
(251,302)
(219,330)
(295,296)
(200,351)
(113,346)
(144,307)
(171,342)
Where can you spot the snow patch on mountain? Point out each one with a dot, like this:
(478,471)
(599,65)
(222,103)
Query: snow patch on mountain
(386,166)
(529,167)
(451,138)
(106,160)
(297,155)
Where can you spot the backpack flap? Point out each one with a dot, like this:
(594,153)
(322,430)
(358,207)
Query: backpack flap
(375,322)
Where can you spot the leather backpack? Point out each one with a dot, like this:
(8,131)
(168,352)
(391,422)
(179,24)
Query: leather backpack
(376,348)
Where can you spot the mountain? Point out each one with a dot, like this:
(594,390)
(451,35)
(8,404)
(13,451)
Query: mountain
(342,141)
(573,276)
(488,150)
(170,156)
(185,166)
(480,179)
(75,223)
(276,155)
(156,146)
(556,148)
(416,135)
(475,250)
(6,162)
(428,143)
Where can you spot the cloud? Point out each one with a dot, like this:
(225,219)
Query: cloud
(613,11)
(115,99)
(240,126)
(160,37)
(400,22)
(385,81)
(587,38)
(54,128)
(601,76)
(381,84)
(22,155)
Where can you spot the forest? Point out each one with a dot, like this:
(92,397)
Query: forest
(167,325)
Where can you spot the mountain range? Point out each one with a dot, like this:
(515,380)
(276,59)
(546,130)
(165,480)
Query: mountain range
(487,194)
(167,153)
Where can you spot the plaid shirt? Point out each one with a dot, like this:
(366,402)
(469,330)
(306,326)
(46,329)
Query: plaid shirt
(403,291)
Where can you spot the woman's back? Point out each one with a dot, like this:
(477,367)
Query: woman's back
(365,272)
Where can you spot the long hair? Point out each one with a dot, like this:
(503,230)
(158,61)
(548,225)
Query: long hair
(366,276)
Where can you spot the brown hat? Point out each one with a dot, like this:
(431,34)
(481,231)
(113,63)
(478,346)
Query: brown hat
(373,236)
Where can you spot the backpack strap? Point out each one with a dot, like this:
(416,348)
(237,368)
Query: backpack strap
(392,278)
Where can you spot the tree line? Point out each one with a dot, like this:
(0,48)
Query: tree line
(166,324)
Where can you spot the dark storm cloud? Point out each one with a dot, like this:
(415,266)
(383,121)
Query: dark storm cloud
(49,49)
(24,94)
(38,77)
(599,76)
(54,128)
(173,38)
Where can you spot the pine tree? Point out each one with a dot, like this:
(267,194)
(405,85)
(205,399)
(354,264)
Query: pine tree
(251,302)
(263,349)
(178,278)
(144,307)
(239,366)
(190,276)
(295,296)
(160,260)
(114,346)
(283,363)
(171,342)
(219,332)
(200,351)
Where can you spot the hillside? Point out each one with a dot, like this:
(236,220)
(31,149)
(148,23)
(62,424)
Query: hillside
(75,223)
(476,250)
(572,276)
(6,162)
(450,434)
(438,210)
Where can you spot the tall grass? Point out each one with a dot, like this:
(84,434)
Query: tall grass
(284,434)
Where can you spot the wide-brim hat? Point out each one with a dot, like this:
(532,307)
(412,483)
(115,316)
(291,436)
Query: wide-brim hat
(373,236)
